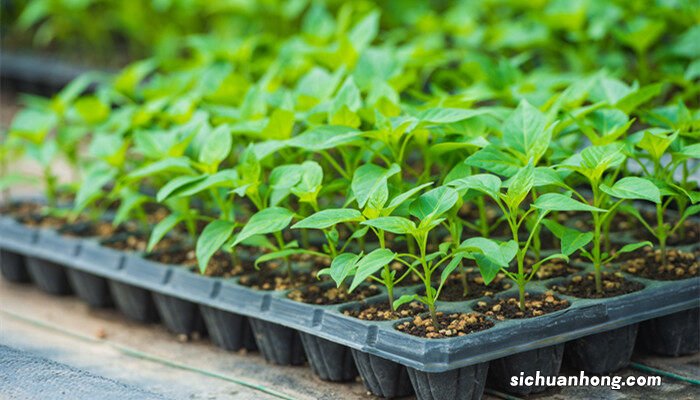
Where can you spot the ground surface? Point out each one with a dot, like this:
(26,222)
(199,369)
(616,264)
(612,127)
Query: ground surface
(114,350)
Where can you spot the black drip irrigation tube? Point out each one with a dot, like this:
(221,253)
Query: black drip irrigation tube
(391,363)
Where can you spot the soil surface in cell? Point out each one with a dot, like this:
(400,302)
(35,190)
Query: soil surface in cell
(448,325)
(277,280)
(548,270)
(382,311)
(679,265)
(138,241)
(583,286)
(535,305)
(319,295)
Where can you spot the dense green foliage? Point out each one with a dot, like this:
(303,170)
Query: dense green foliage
(377,125)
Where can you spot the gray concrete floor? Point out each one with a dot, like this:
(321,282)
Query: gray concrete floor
(106,344)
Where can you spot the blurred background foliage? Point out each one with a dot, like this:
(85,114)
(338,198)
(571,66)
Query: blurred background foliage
(643,37)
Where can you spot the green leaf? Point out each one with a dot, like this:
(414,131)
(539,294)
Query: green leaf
(343,266)
(632,101)
(177,165)
(370,264)
(520,186)
(525,132)
(223,178)
(404,299)
(282,179)
(280,125)
(398,225)
(633,188)
(484,183)
(161,229)
(214,235)
(348,96)
(310,182)
(560,202)
(571,239)
(491,159)
(434,203)
(216,147)
(95,179)
(33,125)
(400,199)
(325,137)
(449,115)
(368,179)
(327,218)
(493,256)
(449,268)
(129,200)
(269,220)
(628,248)
(169,188)
(656,141)
(364,32)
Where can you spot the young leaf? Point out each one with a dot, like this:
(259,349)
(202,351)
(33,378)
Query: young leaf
(216,147)
(327,218)
(177,183)
(449,268)
(525,132)
(404,299)
(97,177)
(269,220)
(214,235)
(325,137)
(571,239)
(434,203)
(560,202)
(161,229)
(342,266)
(177,165)
(656,141)
(633,188)
(485,183)
(628,248)
(370,264)
(397,225)
(520,185)
(400,199)
(368,179)
(492,256)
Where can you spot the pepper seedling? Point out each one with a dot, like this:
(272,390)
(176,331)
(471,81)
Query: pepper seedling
(429,209)
(592,163)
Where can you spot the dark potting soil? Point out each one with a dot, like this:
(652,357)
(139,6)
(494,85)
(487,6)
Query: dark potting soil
(20,209)
(100,229)
(382,311)
(183,256)
(535,305)
(277,280)
(318,295)
(550,269)
(449,325)
(680,265)
(583,286)
(221,264)
(453,290)
(138,241)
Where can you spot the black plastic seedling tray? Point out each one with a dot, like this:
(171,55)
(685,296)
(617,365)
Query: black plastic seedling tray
(371,342)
